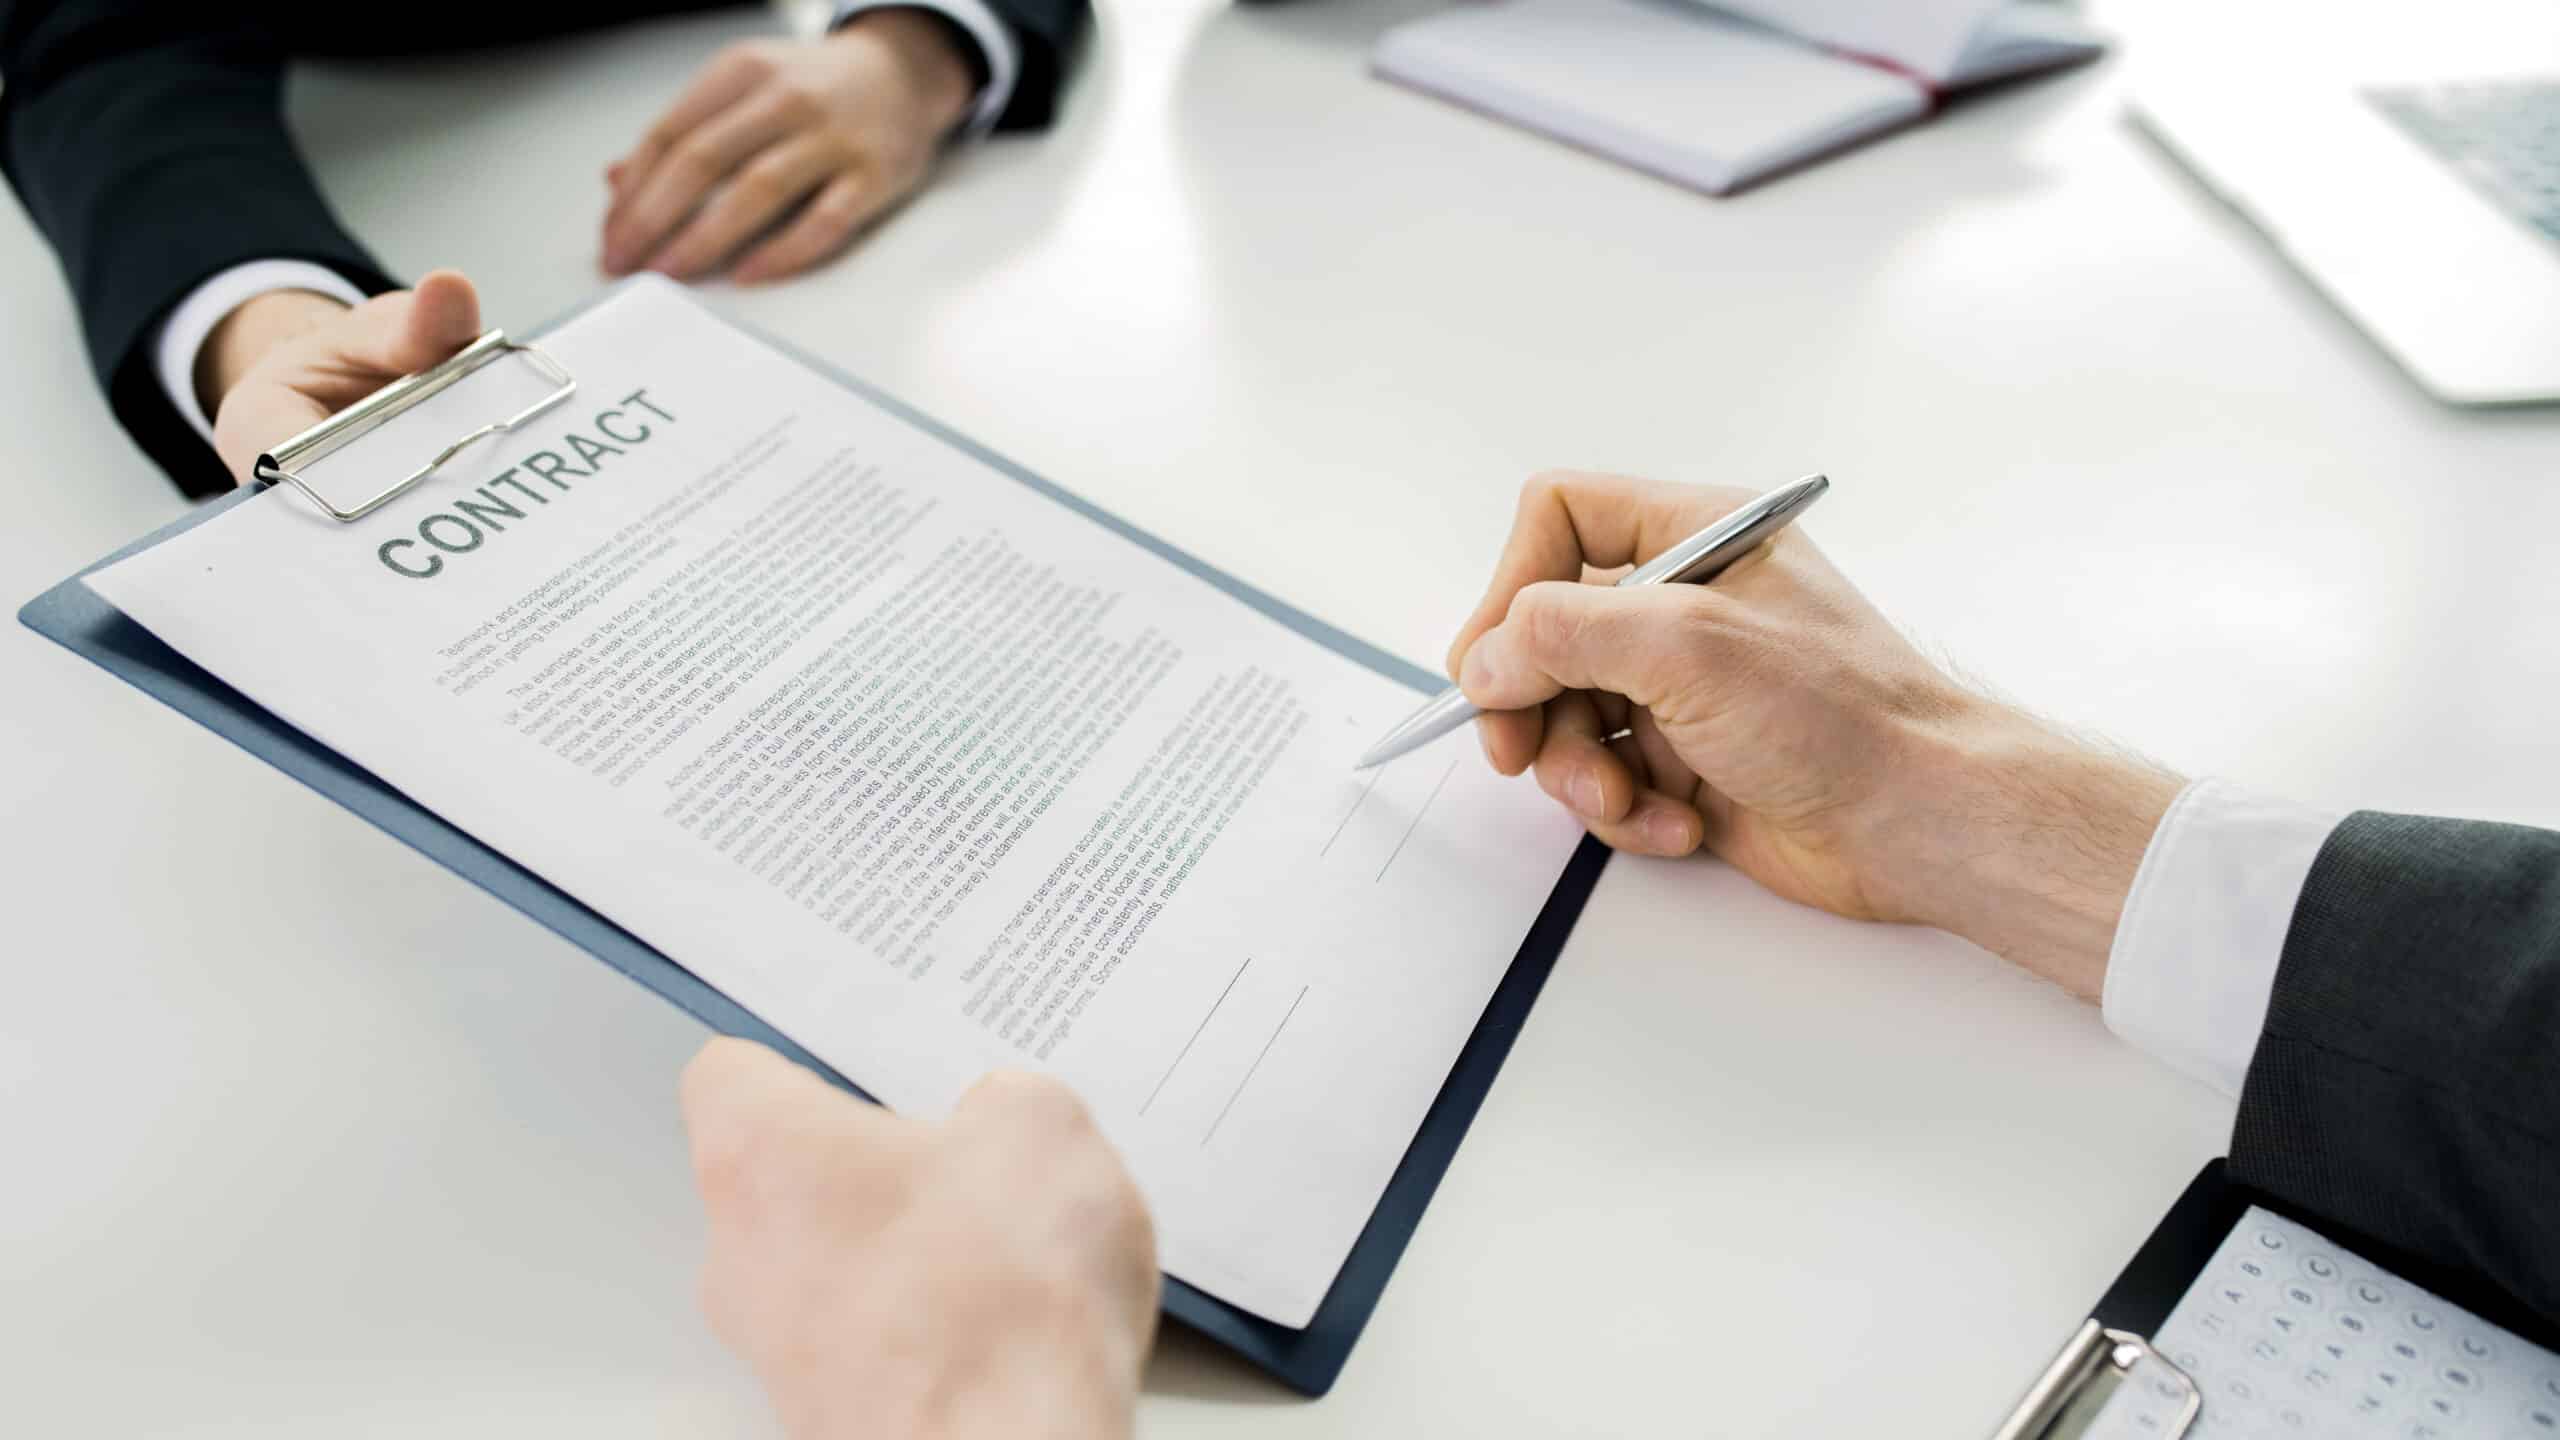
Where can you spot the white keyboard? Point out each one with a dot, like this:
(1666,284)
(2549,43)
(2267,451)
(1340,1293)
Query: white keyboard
(2287,1334)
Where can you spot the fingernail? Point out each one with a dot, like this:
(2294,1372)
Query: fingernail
(1475,676)
(1585,790)
(1667,833)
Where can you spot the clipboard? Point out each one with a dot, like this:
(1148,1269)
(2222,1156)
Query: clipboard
(2068,1398)
(1307,1360)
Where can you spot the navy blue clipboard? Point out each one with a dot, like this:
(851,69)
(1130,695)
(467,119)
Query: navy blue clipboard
(1306,1360)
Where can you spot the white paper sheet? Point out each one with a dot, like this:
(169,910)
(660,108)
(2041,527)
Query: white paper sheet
(1691,95)
(2286,1332)
(1925,37)
(1719,94)
(925,769)
(1947,43)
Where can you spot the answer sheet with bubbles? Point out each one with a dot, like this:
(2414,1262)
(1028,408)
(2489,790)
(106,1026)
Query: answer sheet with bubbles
(2285,1333)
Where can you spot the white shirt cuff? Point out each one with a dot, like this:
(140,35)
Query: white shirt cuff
(183,334)
(2194,960)
(995,44)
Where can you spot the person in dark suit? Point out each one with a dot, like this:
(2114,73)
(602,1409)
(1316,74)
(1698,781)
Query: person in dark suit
(2382,992)
(220,298)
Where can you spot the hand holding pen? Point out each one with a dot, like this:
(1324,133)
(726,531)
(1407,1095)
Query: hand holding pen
(1694,561)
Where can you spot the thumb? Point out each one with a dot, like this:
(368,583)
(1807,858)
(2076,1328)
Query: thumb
(729,1076)
(1560,635)
(736,1090)
(442,316)
(396,334)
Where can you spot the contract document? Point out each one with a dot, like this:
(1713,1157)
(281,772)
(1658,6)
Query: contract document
(929,770)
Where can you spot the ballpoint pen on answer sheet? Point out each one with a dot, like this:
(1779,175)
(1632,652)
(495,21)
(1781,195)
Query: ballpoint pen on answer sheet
(1694,561)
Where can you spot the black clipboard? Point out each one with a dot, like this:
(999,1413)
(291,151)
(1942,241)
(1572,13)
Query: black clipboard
(1307,1360)
(2179,1248)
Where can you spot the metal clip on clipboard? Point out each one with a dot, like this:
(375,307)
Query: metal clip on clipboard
(2068,1397)
(373,411)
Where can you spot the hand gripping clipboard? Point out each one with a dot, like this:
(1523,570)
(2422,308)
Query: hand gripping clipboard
(1308,1359)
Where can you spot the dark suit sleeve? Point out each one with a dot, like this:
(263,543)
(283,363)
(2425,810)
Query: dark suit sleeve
(147,142)
(1046,36)
(1050,32)
(2407,1084)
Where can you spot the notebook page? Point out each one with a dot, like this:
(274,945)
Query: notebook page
(1925,37)
(1700,98)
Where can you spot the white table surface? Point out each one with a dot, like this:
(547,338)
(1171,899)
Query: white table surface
(304,1137)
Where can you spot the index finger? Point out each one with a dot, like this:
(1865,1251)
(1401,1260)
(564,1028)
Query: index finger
(1572,518)
(721,84)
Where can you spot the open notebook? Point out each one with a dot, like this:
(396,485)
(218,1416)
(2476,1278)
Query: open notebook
(1718,98)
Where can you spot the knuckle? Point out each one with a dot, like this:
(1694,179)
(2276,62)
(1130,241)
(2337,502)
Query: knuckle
(1702,640)
(835,152)
(1550,625)
(697,157)
(732,1159)
(1005,1085)
(1142,1231)
(1621,837)
(1095,1193)
(1543,489)
(799,101)
(1703,504)
(724,1167)
(712,1073)
(775,173)
(1545,482)
(1061,1106)
(1029,1098)
(1552,775)
(1135,1225)
(746,60)
(891,1182)
(1701,619)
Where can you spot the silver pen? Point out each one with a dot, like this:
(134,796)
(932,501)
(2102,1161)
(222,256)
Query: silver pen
(1694,561)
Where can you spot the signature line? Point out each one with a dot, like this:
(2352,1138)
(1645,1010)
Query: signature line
(1417,822)
(1195,1035)
(1354,810)
(1257,1064)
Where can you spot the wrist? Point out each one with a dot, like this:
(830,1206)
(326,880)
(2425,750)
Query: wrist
(244,336)
(928,52)
(1034,1363)
(1072,1392)
(2023,840)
